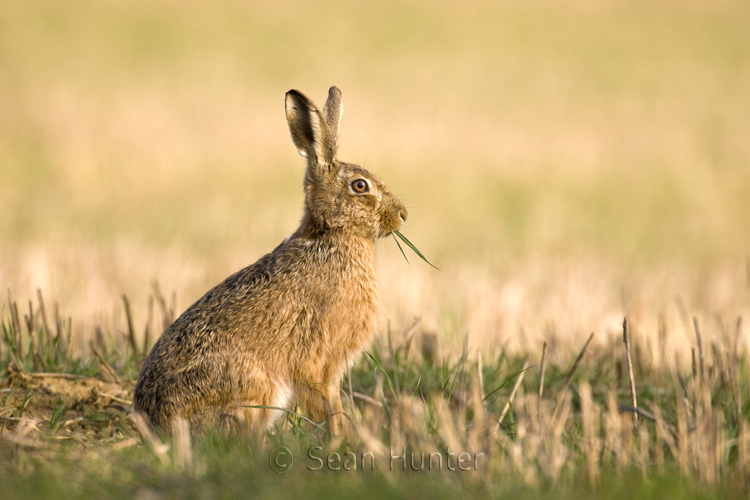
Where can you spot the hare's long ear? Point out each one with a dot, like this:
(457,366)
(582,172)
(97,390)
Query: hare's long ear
(309,131)
(332,112)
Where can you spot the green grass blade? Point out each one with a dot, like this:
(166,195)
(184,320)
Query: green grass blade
(382,395)
(380,366)
(288,412)
(411,245)
(10,395)
(399,247)
(506,382)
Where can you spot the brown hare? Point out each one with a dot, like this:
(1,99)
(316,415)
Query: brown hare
(279,331)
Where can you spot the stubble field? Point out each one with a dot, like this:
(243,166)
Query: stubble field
(565,165)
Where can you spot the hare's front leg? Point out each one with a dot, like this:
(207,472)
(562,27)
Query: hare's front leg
(320,400)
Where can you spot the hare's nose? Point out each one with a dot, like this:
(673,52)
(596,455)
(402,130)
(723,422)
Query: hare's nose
(403,214)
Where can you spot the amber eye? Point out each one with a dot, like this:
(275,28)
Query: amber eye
(360,186)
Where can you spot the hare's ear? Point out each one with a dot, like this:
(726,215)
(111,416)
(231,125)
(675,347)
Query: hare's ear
(332,112)
(309,131)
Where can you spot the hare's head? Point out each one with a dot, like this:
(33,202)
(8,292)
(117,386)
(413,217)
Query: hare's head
(338,196)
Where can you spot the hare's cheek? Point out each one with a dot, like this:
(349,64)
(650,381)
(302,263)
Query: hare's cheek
(368,202)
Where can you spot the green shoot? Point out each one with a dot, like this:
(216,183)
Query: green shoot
(26,399)
(57,413)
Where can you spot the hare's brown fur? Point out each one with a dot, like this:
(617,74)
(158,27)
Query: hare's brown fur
(277,331)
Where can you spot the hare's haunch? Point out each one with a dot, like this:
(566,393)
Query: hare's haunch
(277,331)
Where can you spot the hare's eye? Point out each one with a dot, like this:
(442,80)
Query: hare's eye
(360,186)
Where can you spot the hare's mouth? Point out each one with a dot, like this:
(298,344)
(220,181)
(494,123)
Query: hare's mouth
(391,230)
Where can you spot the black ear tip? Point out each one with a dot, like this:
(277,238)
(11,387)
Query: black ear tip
(334,91)
(294,100)
(294,96)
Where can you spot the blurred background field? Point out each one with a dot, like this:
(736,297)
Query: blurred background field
(564,163)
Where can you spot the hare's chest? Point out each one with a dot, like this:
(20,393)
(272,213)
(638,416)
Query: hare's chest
(346,315)
(343,295)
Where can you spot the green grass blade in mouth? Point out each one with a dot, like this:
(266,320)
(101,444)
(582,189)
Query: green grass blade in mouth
(399,247)
(410,245)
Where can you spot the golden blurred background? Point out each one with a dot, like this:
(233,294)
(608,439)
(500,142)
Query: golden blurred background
(564,163)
